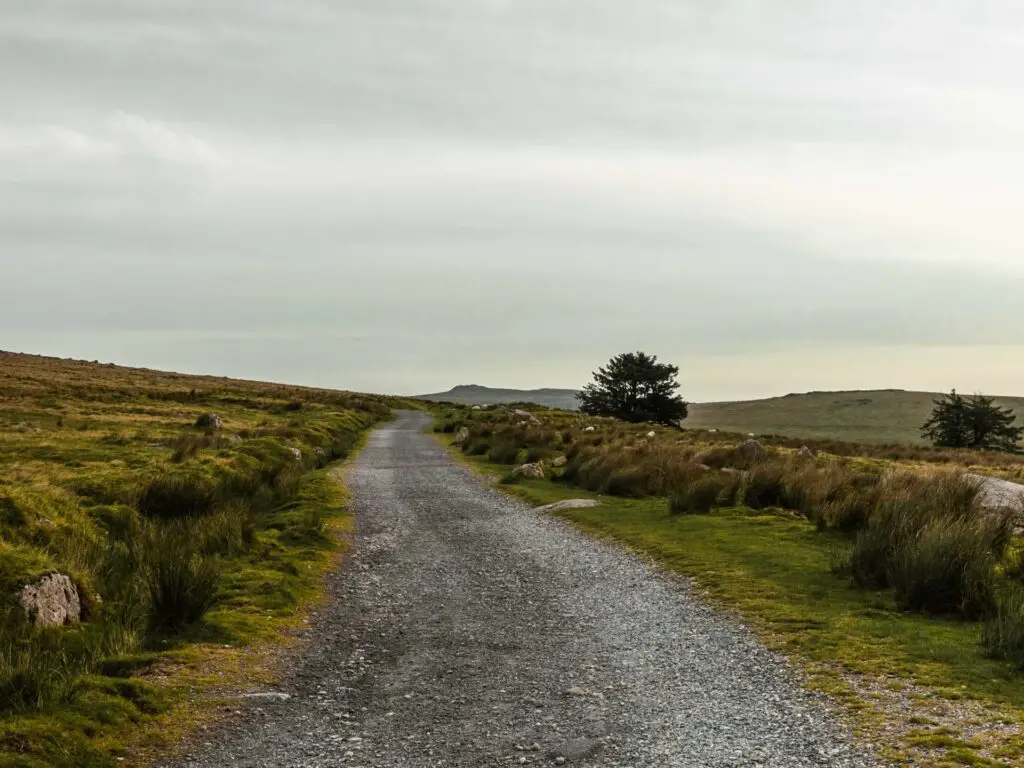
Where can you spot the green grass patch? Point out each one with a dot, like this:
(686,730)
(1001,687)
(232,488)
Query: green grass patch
(193,549)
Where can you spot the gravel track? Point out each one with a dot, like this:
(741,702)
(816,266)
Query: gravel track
(471,631)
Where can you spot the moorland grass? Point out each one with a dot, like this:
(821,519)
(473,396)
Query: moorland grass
(185,542)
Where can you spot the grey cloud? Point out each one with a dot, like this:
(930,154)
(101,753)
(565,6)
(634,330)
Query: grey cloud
(507,191)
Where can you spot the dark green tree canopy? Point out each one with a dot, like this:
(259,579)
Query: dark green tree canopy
(635,387)
(976,422)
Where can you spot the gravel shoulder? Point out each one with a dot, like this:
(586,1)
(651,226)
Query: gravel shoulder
(468,630)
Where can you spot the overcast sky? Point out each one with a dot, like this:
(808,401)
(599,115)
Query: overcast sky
(404,195)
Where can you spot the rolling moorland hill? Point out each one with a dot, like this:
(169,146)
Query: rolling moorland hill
(878,416)
(473,394)
(152,520)
(875,416)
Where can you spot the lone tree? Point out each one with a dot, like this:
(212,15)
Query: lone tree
(958,422)
(635,387)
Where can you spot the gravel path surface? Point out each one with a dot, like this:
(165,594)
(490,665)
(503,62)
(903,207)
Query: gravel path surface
(471,631)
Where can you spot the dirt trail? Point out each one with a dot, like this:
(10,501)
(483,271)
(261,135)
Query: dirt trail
(470,631)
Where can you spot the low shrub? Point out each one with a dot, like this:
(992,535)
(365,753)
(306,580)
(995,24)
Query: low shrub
(718,458)
(537,453)
(503,453)
(732,488)
(766,486)
(698,497)
(630,482)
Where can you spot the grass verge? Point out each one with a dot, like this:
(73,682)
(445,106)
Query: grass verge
(194,517)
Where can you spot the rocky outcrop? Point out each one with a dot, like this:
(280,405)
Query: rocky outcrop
(806,453)
(53,601)
(560,461)
(462,435)
(526,416)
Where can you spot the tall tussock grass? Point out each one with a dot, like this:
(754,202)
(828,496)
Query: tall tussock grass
(925,536)
(930,540)
(158,557)
(181,579)
(1002,634)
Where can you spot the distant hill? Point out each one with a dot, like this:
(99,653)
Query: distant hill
(472,394)
(870,416)
(877,416)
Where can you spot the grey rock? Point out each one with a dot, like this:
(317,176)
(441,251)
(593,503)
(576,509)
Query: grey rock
(462,435)
(267,696)
(526,416)
(999,494)
(806,453)
(568,504)
(210,421)
(559,461)
(535,470)
(52,601)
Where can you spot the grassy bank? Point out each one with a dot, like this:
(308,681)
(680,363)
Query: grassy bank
(194,517)
(920,683)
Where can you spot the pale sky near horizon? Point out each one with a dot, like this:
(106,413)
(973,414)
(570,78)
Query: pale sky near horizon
(399,196)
